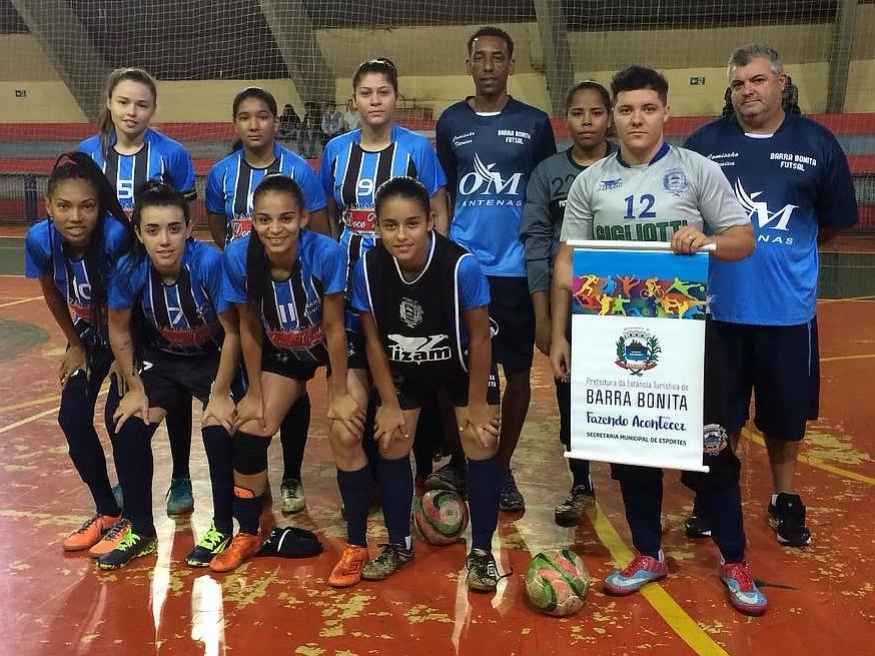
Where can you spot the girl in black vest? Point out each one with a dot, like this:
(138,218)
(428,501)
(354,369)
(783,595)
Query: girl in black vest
(423,303)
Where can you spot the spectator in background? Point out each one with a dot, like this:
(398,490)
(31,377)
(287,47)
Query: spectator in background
(790,97)
(727,102)
(309,131)
(351,118)
(332,122)
(290,123)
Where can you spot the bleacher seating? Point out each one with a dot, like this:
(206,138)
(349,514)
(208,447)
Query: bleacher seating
(27,152)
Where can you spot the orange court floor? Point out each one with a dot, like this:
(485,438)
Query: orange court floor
(822,598)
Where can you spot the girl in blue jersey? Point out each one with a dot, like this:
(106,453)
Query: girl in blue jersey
(256,153)
(230,185)
(439,342)
(288,285)
(72,254)
(130,153)
(354,165)
(184,341)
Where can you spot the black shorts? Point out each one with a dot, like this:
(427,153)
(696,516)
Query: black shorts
(781,366)
(356,355)
(413,393)
(167,377)
(511,312)
(285,364)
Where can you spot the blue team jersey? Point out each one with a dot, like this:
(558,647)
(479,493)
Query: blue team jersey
(790,183)
(181,318)
(292,319)
(160,158)
(488,161)
(472,286)
(44,255)
(232,181)
(351,176)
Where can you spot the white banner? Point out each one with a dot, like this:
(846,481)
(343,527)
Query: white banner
(637,357)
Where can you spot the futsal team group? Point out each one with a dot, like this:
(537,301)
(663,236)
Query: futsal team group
(412,273)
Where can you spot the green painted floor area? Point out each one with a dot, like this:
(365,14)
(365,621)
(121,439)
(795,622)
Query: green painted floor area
(16,337)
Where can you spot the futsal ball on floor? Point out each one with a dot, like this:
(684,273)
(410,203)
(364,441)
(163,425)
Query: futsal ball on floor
(440,517)
(557,582)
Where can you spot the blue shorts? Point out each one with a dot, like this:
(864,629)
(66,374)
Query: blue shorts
(511,312)
(780,365)
(285,364)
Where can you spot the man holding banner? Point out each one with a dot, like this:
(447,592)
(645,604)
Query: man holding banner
(653,192)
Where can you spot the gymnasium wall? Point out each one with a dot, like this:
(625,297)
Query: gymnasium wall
(432,65)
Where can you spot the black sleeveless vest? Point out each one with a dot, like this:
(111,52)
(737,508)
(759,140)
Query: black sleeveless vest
(420,322)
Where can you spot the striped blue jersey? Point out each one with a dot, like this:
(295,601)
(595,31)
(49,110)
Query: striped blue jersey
(160,158)
(291,313)
(488,160)
(181,318)
(45,255)
(233,180)
(352,175)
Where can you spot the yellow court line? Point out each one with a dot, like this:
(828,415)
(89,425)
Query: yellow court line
(817,463)
(852,299)
(27,420)
(29,404)
(676,617)
(20,301)
(838,358)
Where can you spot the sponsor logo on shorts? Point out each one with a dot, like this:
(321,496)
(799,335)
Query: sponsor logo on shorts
(715,439)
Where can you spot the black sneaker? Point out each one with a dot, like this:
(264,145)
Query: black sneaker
(787,517)
(133,546)
(511,500)
(570,511)
(482,571)
(392,558)
(211,544)
(697,526)
(448,477)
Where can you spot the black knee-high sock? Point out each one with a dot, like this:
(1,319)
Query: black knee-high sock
(355,490)
(134,449)
(293,437)
(484,491)
(428,438)
(76,418)
(247,510)
(579,473)
(219,447)
(396,495)
(722,508)
(643,502)
(179,430)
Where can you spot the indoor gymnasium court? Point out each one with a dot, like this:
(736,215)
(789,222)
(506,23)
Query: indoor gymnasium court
(54,602)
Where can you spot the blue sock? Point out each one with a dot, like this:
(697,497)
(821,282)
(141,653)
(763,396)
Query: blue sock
(247,510)
(484,491)
(355,490)
(219,447)
(643,502)
(178,422)
(293,437)
(396,495)
(133,448)
(76,418)
(722,509)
